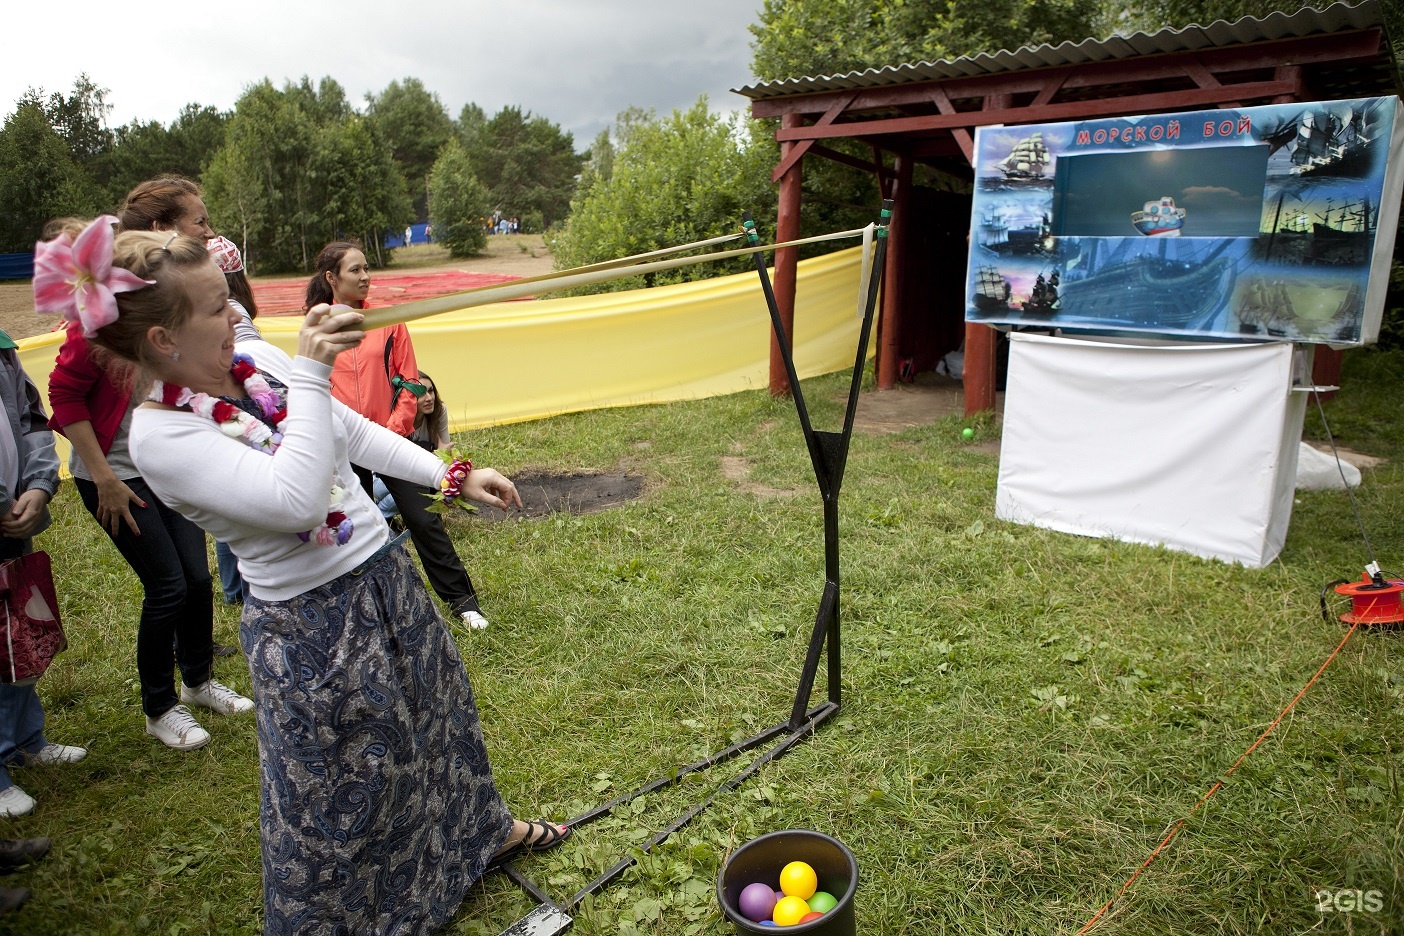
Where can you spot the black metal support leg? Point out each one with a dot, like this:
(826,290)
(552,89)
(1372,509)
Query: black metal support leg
(828,453)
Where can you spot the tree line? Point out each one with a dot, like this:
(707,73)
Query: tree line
(291,168)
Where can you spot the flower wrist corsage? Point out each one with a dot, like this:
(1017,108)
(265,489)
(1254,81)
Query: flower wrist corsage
(454,478)
(450,493)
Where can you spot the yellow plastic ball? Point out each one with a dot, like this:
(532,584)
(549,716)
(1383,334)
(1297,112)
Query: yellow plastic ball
(789,911)
(798,879)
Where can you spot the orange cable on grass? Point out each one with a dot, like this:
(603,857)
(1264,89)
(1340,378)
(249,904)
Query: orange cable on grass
(1179,824)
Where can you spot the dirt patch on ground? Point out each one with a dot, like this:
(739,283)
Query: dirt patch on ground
(737,469)
(545,493)
(929,398)
(880,412)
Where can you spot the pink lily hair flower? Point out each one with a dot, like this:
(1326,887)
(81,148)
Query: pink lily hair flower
(76,278)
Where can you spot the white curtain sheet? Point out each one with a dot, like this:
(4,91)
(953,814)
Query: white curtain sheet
(1189,446)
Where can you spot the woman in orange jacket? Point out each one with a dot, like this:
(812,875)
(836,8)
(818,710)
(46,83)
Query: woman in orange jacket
(380,380)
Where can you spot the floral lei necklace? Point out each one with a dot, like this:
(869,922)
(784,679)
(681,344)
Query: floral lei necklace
(261,435)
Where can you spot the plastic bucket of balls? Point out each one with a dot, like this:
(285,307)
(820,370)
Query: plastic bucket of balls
(794,881)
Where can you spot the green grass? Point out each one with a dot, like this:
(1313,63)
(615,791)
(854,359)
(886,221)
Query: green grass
(1025,713)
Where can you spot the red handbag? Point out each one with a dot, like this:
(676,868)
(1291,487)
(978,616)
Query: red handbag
(31,634)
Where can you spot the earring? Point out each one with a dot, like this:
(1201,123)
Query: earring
(175,355)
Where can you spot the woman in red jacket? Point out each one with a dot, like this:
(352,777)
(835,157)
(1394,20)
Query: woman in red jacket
(166,551)
(380,380)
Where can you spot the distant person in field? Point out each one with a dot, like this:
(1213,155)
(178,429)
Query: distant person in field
(380,380)
(378,809)
(92,398)
(409,235)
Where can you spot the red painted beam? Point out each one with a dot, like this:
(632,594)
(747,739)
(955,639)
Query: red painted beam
(1099,107)
(1291,73)
(1054,85)
(1341,48)
(796,153)
(787,227)
(962,136)
(819,149)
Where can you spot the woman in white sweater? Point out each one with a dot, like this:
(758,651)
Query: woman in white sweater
(378,808)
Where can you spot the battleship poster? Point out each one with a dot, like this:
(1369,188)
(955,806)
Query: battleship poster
(1259,223)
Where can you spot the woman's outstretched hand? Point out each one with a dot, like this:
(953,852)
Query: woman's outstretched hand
(487,486)
(322,339)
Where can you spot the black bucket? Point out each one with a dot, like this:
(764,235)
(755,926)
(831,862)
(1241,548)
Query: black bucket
(761,860)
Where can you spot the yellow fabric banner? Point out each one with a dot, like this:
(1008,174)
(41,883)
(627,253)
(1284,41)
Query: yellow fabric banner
(514,361)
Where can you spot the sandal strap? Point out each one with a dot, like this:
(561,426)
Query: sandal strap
(549,836)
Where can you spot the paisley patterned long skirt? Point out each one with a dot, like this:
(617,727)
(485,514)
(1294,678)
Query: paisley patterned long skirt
(378,808)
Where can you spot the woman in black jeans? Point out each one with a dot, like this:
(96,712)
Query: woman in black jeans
(166,551)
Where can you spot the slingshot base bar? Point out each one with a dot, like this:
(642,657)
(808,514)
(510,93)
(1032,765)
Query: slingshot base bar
(545,920)
(550,912)
(821,714)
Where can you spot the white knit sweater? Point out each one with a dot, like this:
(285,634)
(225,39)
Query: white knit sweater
(257,503)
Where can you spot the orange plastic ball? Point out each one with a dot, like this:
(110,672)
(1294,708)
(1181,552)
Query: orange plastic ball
(811,915)
(798,879)
(789,911)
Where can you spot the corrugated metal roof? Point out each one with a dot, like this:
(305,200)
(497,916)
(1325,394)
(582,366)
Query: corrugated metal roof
(1335,18)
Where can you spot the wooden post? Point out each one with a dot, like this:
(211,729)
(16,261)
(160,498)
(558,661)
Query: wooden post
(890,325)
(979,374)
(982,341)
(1326,369)
(787,227)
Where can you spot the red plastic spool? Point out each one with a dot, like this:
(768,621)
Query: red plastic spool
(1371,603)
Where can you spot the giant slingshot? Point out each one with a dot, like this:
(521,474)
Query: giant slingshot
(828,453)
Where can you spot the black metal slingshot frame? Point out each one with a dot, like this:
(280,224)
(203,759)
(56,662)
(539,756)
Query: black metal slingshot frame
(828,452)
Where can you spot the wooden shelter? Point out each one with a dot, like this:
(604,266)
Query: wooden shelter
(925,113)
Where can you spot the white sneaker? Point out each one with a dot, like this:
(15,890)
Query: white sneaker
(15,802)
(58,754)
(216,697)
(474,620)
(178,729)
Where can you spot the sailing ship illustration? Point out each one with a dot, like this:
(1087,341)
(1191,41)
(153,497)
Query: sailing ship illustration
(992,290)
(1043,298)
(1349,218)
(1298,308)
(1159,218)
(993,231)
(1150,289)
(1027,159)
(1032,238)
(1325,143)
(1340,235)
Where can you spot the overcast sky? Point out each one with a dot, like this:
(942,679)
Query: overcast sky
(576,62)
